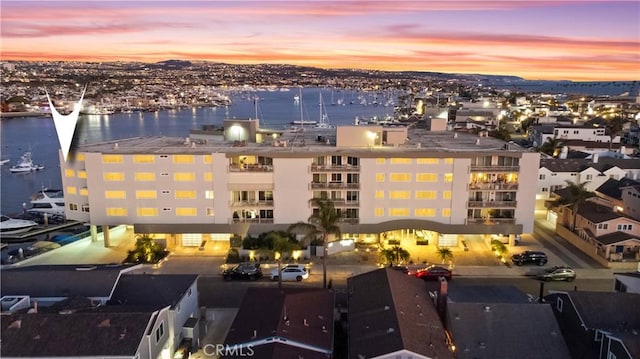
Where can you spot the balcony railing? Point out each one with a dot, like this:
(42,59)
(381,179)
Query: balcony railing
(253,220)
(333,168)
(345,203)
(338,185)
(250,168)
(251,203)
(490,220)
(350,220)
(500,186)
(495,168)
(492,204)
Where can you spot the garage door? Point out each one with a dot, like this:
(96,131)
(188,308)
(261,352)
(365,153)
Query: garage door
(191,239)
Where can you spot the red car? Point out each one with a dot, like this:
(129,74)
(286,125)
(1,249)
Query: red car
(433,273)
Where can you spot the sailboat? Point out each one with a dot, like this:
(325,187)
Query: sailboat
(324,118)
(302,121)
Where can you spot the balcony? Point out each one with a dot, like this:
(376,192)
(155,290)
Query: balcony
(334,185)
(492,204)
(495,168)
(253,220)
(350,220)
(334,168)
(250,168)
(491,220)
(251,203)
(493,186)
(345,203)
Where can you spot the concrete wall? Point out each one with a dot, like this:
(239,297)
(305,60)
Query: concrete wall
(358,136)
(581,244)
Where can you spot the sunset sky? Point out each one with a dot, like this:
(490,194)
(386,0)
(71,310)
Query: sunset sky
(573,40)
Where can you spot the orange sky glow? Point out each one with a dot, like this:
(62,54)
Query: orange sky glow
(553,40)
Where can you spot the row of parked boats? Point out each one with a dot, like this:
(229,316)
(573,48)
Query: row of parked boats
(49,202)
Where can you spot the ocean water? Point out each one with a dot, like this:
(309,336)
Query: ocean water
(275,109)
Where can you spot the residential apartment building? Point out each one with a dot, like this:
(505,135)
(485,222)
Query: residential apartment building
(380,179)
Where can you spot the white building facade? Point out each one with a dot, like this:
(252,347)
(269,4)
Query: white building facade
(378,180)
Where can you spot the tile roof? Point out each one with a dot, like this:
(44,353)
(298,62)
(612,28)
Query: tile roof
(597,213)
(390,311)
(505,330)
(72,335)
(615,237)
(612,187)
(155,290)
(61,280)
(297,315)
(601,310)
(487,294)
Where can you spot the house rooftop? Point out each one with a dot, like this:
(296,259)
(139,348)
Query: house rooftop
(602,309)
(390,311)
(505,330)
(100,334)
(155,290)
(613,188)
(597,213)
(55,281)
(301,317)
(487,294)
(615,237)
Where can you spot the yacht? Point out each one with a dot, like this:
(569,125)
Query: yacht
(49,201)
(10,225)
(26,165)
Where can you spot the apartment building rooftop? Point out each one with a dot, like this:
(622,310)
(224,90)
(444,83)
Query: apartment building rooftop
(310,140)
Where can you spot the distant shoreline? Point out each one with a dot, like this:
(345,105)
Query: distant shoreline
(23,114)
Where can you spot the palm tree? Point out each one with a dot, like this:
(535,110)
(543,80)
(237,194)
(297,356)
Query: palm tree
(577,194)
(614,127)
(322,223)
(146,250)
(550,147)
(395,254)
(445,254)
(280,245)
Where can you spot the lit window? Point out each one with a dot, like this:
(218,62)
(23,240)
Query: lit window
(210,212)
(145,176)
(398,212)
(426,194)
(114,176)
(116,212)
(380,161)
(425,212)
(208,177)
(148,194)
(182,158)
(379,212)
(144,159)
(400,161)
(185,194)
(184,176)
(379,194)
(115,194)
(69,173)
(428,161)
(207,159)
(448,177)
(112,159)
(448,161)
(84,192)
(379,177)
(400,177)
(426,177)
(446,195)
(208,194)
(399,195)
(82,174)
(446,212)
(186,211)
(147,212)
(79,156)
(71,190)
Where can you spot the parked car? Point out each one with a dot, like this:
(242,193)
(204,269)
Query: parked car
(301,266)
(433,273)
(294,272)
(399,268)
(558,273)
(530,257)
(250,271)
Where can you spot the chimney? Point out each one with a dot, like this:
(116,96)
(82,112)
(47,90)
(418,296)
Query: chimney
(564,152)
(594,158)
(35,307)
(441,301)
(541,292)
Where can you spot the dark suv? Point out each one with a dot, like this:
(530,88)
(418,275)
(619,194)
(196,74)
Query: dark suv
(530,257)
(250,271)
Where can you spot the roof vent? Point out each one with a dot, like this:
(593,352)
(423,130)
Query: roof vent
(386,307)
(324,329)
(305,322)
(390,330)
(487,309)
